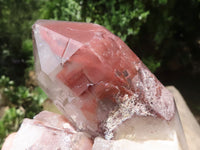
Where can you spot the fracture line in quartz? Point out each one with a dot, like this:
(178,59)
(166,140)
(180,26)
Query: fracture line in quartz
(67,44)
(92,49)
(72,47)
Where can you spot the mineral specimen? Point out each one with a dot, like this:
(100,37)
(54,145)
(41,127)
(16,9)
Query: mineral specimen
(48,131)
(85,68)
(99,84)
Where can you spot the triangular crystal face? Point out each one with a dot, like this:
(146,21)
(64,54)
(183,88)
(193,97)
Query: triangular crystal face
(100,85)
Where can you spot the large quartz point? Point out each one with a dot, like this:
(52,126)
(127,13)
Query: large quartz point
(100,85)
(48,131)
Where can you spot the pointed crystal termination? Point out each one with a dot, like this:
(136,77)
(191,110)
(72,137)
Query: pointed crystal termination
(97,81)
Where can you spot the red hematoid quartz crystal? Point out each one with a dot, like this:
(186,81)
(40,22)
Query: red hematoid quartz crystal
(94,77)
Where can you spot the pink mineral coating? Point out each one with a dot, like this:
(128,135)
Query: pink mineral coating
(96,67)
(8,142)
(55,120)
(47,131)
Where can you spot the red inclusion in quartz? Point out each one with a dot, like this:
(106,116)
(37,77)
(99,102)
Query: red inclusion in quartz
(97,66)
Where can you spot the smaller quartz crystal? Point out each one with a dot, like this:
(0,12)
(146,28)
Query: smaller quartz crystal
(49,131)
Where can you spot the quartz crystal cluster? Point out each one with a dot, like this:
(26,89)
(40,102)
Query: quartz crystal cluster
(103,89)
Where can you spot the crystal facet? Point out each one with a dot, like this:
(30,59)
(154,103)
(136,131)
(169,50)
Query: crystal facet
(99,84)
(49,131)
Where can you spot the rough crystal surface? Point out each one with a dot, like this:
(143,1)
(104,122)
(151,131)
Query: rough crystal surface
(92,75)
(49,131)
(124,144)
